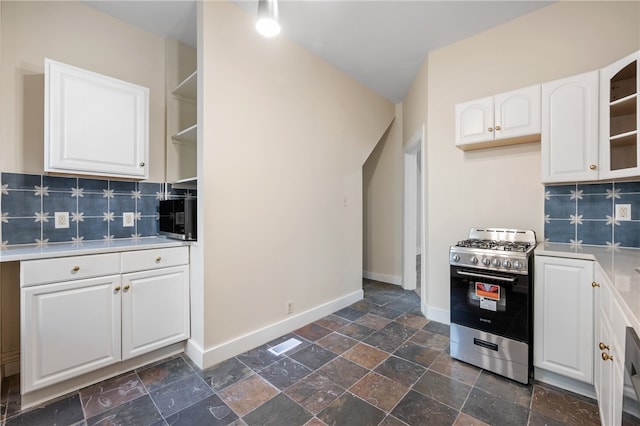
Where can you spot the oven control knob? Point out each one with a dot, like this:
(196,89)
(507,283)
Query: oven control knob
(506,263)
(486,261)
(473,260)
(495,262)
(517,264)
(456,258)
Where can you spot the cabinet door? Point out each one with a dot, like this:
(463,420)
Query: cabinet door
(94,124)
(609,361)
(155,309)
(619,118)
(563,317)
(517,113)
(604,375)
(570,129)
(68,329)
(474,121)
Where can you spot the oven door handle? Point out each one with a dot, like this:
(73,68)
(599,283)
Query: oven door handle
(491,277)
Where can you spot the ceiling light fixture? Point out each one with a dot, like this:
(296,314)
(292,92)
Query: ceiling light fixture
(267,23)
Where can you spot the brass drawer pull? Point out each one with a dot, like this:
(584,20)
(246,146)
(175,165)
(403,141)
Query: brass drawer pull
(595,284)
(76,268)
(602,346)
(607,357)
(127,287)
(117,289)
(158,259)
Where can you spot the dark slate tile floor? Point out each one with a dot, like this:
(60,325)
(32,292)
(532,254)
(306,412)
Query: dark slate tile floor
(377,362)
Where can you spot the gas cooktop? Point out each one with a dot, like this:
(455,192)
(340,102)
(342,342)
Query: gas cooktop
(506,250)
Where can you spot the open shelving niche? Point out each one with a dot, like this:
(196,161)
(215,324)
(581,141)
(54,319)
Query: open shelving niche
(623,129)
(187,137)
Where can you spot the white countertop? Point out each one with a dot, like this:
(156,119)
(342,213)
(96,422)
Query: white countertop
(30,252)
(621,265)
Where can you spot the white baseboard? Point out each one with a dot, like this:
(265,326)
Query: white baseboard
(436,314)
(389,279)
(195,352)
(214,355)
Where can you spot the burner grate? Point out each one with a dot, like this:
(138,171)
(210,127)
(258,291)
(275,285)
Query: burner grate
(515,246)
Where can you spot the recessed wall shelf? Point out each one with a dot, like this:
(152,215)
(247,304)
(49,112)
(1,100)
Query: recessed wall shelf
(186,136)
(187,183)
(181,131)
(188,89)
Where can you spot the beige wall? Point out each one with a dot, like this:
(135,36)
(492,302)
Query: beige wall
(501,186)
(69,32)
(283,137)
(414,105)
(382,187)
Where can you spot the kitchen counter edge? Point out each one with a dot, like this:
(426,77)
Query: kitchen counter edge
(53,250)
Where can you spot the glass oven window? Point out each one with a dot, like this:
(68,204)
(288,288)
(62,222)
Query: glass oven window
(492,302)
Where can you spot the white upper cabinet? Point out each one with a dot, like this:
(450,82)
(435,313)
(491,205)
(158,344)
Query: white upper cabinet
(474,122)
(619,119)
(504,119)
(94,124)
(569,140)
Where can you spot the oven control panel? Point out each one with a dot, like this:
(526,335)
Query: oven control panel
(490,261)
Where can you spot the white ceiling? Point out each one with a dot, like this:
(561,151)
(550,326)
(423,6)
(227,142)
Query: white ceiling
(378,43)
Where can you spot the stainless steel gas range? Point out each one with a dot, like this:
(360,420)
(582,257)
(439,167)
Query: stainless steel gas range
(491,301)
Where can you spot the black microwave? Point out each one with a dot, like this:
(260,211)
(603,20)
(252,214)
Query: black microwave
(178,219)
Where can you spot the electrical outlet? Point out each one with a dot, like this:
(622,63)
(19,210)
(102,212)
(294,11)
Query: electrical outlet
(62,219)
(623,211)
(289,308)
(127,219)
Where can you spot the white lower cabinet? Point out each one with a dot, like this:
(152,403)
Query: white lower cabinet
(563,317)
(579,330)
(609,352)
(71,325)
(155,309)
(68,329)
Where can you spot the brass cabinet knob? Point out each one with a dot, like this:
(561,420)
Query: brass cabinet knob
(490,129)
(607,357)
(76,268)
(593,167)
(117,289)
(595,284)
(127,287)
(158,259)
(602,346)
(498,128)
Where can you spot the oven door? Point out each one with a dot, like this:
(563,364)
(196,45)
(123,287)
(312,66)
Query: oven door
(494,302)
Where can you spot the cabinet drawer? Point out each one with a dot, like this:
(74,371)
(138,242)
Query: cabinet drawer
(33,272)
(142,260)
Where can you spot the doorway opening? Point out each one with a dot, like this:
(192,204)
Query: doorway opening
(413,246)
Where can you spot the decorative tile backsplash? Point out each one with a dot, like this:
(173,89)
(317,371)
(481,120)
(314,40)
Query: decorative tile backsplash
(28,204)
(585,214)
